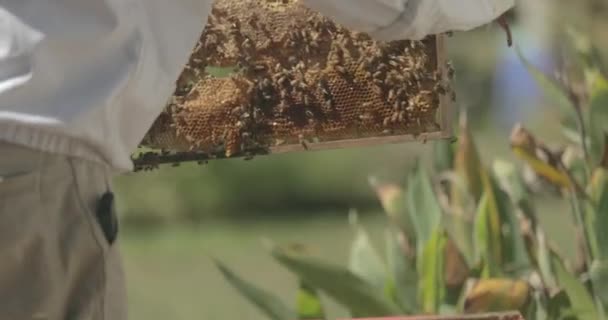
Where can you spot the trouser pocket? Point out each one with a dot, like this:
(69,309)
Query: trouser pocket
(106,216)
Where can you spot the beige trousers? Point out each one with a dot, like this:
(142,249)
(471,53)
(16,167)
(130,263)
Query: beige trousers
(58,260)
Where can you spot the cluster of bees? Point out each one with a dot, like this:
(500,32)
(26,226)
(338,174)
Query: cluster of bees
(298,77)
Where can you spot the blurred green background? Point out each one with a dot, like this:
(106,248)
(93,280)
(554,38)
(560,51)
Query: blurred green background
(174,220)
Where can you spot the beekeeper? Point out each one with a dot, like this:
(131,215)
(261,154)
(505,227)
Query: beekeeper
(81,82)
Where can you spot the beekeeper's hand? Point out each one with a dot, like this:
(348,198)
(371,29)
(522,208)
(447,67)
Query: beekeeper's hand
(411,19)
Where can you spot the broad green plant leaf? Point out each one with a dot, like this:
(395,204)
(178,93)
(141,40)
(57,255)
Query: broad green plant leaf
(443,155)
(460,230)
(559,307)
(487,237)
(394,202)
(431,289)
(266,302)
(358,296)
(599,219)
(587,55)
(598,116)
(467,163)
(513,248)
(456,270)
(401,264)
(364,260)
(423,206)
(309,304)
(544,261)
(580,299)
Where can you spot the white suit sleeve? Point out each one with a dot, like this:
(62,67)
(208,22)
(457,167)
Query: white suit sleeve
(410,19)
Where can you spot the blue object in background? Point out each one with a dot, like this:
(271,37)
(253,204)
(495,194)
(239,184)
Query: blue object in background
(515,95)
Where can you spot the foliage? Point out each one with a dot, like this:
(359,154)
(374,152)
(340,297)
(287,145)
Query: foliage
(463,237)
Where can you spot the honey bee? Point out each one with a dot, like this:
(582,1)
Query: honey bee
(306,100)
(366,117)
(257,113)
(324,87)
(282,107)
(451,70)
(259,67)
(278,67)
(237,110)
(283,94)
(386,121)
(282,80)
(394,62)
(396,106)
(340,69)
(247,44)
(395,117)
(440,88)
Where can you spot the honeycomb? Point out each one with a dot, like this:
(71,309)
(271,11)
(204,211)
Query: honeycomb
(298,78)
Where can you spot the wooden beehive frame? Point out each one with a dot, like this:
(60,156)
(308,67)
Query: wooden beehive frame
(445,117)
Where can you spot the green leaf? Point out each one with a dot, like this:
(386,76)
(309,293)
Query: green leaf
(512,241)
(599,219)
(544,261)
(552,90)
(309,303)
(346,288)
(431,290)
(460,230)
(599,278)
(538,308)
(403,271)
(511,181)
(269,304)
(443,155)
(364,260)
(424,209)
(467,163)
(487,240)
(586,54)
(580,299)
(394,202)
(598,116)
(559,307)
